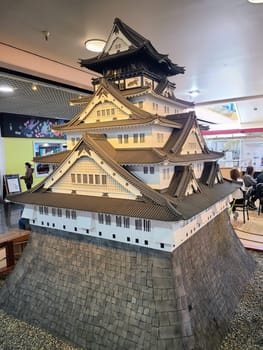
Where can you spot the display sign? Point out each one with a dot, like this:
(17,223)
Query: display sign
(12,183)
(32,127)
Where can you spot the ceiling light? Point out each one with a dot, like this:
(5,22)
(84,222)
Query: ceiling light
(194,93)
(95,45)
(256,1)
(4,88)
(34,87)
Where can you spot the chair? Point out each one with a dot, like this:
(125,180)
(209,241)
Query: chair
(243,206)
(259,196)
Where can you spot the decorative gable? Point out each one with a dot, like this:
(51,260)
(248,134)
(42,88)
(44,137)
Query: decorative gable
(104,107)
(85,173)
(193,143)
(117,42)
(192,187)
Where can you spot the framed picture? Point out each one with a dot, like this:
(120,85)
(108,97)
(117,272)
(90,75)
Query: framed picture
(12,183)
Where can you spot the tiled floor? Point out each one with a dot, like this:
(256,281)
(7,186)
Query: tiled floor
(250,233)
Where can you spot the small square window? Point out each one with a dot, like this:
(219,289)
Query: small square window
(136,240)
(113,236)
(100,234)
(64,227)
(162,245)
(146,242)
(128,239)
(75,229)
(87,231)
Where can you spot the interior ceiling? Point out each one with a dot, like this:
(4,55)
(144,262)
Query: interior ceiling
(218,41)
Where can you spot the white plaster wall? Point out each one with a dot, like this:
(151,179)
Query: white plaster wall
(151,138)
(166,236)
(70,142)
(155,105)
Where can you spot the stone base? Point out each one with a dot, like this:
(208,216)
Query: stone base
(107,295)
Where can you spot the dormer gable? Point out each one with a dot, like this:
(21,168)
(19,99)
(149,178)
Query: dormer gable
(183,182)
(84,172)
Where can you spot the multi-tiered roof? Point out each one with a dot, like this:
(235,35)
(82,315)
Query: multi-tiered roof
(125,155)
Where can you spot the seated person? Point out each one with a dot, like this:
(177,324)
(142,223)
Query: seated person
(238,195)
(248,177)
(260,178)
(251,183)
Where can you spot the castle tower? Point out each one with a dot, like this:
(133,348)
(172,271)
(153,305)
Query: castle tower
(132,225)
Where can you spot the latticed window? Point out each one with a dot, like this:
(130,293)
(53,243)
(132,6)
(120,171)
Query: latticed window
(79,178)
(73,215)
(68,214)
(135,138)
(142,138)
(101,218)
(97,179)
(126,222)
(46,210)
(59,211)
(145,170)
(118,221)
(41,210)
(85,178)
(107,219)
(103,179)
(91,179)
(126,138)
(73,178)
(151,170)
(147,225)
(138,224)
(54,211)
(119,138)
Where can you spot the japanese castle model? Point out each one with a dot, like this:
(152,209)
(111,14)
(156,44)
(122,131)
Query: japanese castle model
(131,245)
(137,168)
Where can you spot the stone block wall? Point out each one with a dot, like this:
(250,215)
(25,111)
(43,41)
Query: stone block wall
(100,294)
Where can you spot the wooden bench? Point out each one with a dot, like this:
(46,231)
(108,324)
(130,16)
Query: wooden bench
(12,243)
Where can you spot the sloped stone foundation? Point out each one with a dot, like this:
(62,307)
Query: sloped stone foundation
(106,295)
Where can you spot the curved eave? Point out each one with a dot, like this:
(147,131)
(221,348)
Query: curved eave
(187,158)
(108,125)
(99,63)
(166,122)
(125,207)
(55,158)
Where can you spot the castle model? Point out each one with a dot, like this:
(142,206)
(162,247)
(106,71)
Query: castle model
(137,169)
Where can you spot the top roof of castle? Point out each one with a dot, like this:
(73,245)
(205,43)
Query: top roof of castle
(137,47)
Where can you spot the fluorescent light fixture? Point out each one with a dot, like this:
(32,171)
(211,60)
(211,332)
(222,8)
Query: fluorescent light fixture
(4,88)
(256,1)
(194,93)
(95,45)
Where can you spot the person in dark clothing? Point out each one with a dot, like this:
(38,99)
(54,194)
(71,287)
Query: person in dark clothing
(248,177)
(28,177)
(260,178)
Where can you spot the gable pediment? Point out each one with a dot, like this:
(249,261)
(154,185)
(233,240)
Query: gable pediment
(183,182)
(84,172)
(117,42)
(104,107)
(193,144)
